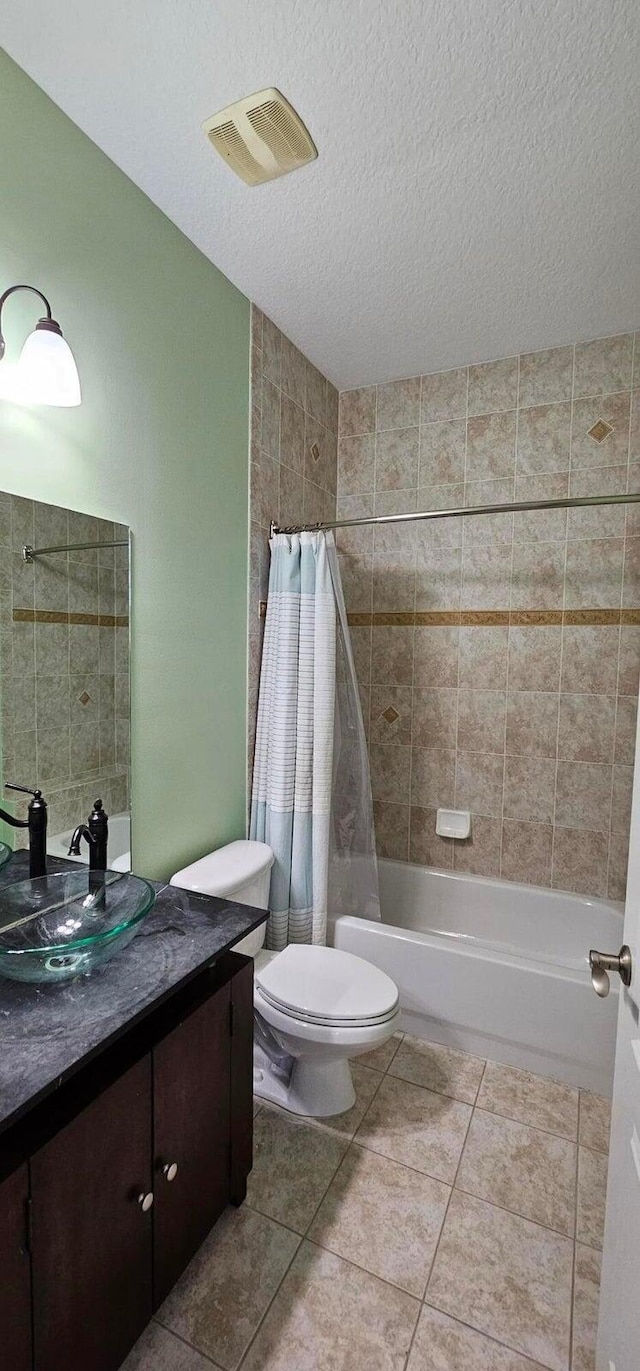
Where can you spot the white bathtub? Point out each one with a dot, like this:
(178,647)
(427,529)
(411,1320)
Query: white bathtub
(119,846)
(495,968)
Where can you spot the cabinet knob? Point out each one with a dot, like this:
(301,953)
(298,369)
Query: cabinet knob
(170,1171)
(145,1201)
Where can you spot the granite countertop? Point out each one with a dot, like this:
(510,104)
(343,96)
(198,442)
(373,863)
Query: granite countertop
(48,1032)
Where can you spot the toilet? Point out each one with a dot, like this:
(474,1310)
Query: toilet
(315,1006)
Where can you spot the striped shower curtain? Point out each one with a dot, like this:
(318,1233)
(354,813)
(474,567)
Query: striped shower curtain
(293,765)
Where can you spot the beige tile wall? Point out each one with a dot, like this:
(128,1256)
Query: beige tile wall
(294,425)
(528,721)
(64,684)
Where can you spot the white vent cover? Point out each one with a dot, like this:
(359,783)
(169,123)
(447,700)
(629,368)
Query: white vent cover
(261,137)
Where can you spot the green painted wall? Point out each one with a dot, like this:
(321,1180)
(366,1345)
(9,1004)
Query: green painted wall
(160,442)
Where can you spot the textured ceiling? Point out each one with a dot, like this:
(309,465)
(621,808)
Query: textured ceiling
(477,189)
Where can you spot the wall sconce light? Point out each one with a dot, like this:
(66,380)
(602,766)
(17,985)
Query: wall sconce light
(46,373)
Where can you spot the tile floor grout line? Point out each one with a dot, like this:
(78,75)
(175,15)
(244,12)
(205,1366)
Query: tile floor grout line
(185,1342)
(535,1365)
(446,1212)
(276,1292)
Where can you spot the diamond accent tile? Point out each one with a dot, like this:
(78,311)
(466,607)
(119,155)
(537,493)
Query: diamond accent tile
(315,452)
(390,714)
(600,431)
(84,698)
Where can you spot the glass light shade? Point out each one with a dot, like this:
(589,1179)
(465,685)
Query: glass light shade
(46,373)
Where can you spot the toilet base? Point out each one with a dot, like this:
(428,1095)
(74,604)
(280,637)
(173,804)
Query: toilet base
(318,1089)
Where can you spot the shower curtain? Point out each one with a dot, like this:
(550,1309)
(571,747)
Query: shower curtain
(311,799)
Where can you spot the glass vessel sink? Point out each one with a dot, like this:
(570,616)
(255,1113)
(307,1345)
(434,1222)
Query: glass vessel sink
(67,924)
(5,854)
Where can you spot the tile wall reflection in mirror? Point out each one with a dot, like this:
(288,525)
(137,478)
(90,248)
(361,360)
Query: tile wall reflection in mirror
(64,670)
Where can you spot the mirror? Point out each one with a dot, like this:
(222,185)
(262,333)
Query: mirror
(64,670)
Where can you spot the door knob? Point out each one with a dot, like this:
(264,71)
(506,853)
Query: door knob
(170,1171)
(603,962)
(145,1201)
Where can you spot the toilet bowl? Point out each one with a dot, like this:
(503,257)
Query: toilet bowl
(315,1006)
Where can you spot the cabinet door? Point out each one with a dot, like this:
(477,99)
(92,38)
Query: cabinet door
(241,1080)
(15,1274)
(191,1074)
(92,1240)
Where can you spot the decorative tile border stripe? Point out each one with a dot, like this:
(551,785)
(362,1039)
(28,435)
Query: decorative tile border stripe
(481,618)
(58,616)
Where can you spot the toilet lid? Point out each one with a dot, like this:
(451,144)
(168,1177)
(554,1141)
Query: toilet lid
(325,985)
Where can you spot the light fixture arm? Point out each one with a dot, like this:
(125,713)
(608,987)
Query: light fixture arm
(48,318)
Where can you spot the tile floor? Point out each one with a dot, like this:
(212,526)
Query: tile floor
(451,1221)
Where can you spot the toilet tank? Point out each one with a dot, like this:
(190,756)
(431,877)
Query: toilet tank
(239,871)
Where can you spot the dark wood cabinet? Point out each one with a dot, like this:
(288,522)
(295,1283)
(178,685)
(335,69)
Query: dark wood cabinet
(191,1094)
(116,1180)
(91,1236)
(15,1274)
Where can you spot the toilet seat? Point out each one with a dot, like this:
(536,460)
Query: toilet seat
(327,987)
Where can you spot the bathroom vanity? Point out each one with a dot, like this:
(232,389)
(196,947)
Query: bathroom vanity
(125,1130)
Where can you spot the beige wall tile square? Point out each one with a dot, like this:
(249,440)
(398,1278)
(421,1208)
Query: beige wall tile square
(442,452)
(434,718)
(537,579)
(590,659)
(541,525)
(392,830)
(271,351)
(523,1169)
(491,442)
(534,1100)
(356,464)
(442,1069)
(592,1193)
(493,386)
(488,528)
(583,796)
(593,575)
(545,376)
(603,365)
(320,454)
(392,656)
(529,789)
(319,504)
(631,586)
(618,863)
(270,427)
(398,502)
(483,657)
(580,861)
(443,1344)
(480,853)
(425,846)
(433,778)
(438,576)
(383,1216)
(586,1298)
(357,411)
(292,372)
(390,771)
(486,576)
(621,799)
(586,728)
(544,439)
(397,459)
(436,656)
(292,1167)
(333,406)
(320,1298)
(416,1127)
(626,730)
(444,395)
(291,497)
(527,1302)
(315,401)
(603,521)
(227,1288)
(479,781)
(526,852)
(387,701)
(398,404)
(595,1121)
(614,449)
(481,720)
(534,657)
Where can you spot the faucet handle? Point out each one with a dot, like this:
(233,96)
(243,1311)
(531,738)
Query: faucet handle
(25,789)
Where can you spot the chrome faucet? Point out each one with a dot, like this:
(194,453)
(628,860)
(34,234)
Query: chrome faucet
(96,832)
(36,822)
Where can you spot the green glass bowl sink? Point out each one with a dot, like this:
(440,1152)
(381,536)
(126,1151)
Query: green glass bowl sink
(5,854)
(64,925)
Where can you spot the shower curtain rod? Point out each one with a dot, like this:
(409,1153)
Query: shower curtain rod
(567,502)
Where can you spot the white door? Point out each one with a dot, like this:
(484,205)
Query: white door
(619,1327)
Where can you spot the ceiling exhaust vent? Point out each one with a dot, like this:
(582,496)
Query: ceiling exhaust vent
(261,137)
